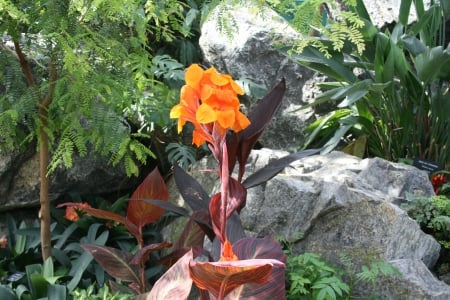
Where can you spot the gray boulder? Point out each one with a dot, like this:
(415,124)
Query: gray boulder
(20,183)
(337,204)
(249,52)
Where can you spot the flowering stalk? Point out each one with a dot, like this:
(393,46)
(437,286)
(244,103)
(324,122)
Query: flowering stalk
(209,101)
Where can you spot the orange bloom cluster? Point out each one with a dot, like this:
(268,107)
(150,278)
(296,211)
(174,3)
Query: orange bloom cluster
(209,101)
(72,213)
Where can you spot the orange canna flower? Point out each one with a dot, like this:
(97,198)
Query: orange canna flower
(209,98)
(72,214)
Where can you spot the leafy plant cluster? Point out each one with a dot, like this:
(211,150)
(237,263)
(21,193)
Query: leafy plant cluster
(323,24)
(310,276)
(389,89)
(433,215)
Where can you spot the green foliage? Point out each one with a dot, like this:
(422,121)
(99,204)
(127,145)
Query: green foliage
(312,277)
(319,28)
(103,293)
(432,214)
(91,62)
(183,155)
(392,95)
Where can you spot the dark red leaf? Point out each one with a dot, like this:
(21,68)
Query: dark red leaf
(274,167)
(140,212)
(220,278)
(174,256)
(259,117)
(265,248)
(193,234)
(215,213)
(142,255)
(115,262)
(235,232)
(175,283)
(192,191)
(237,197)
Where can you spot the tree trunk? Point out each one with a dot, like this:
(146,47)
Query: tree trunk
(44,212)
(43,103)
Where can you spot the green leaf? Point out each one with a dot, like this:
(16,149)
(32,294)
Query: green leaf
(429,63)
(405,7)
(57,291)
(7,294)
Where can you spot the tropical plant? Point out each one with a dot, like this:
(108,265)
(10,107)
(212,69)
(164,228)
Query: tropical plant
(121,264)
(242,267)
(41,284)
(236,259)
(391,94)
(71,70)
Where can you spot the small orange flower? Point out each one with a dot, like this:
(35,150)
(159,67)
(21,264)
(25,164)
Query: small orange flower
(227,252)
(3,241)
(209,98)
(72,213)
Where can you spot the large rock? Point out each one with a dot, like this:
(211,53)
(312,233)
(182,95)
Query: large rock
(250,53)
(342,205)
(20,183)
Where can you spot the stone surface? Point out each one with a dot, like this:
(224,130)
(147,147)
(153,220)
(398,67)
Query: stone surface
(250,53)
(19,174)
(342,205)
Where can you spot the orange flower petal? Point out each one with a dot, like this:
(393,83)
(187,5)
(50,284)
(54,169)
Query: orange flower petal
(206,92)
(176,111)
(219,79)
(189,97)
(241,123)
(71,214)
(226,118)
(193,75)
(205,114)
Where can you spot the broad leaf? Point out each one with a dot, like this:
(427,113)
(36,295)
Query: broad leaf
(357,147)
(142,255)
(220,278)
(429,63)
(115,262)
(216,219)
(193,234)
(192,192)
(106,215)
(241,145)
(261,249)
(332,67)
(274,167)
(140,212)
(236,198)
(175,283)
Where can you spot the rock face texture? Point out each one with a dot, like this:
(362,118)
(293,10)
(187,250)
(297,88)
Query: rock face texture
(250,53)
(342,205)
(19,179)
